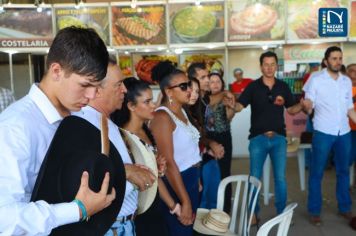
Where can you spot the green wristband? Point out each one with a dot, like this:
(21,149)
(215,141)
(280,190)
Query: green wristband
(82,208)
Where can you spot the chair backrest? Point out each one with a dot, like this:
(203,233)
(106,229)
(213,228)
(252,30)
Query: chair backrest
(282,219)
(247,189)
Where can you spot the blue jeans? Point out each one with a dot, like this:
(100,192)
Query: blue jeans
(307,152)
(353,147)
(126,228)
(210,180)
(190,179)
(276,147)
(322,145)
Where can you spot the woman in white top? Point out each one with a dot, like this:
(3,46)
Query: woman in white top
(177,140)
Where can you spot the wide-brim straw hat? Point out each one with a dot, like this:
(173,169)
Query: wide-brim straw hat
(293,144)
(142,155)
(212,222)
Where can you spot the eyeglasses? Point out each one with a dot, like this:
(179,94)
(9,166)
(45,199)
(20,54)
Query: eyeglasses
(183,86)
(270,97)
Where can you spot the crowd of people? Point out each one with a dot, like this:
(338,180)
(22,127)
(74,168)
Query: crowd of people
(188,133)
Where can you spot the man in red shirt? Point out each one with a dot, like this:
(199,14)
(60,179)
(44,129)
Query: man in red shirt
(240,84)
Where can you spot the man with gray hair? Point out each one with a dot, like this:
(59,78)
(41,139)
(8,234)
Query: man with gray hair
(240,83)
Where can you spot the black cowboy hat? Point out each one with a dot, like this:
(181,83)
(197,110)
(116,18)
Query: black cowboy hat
(76,147)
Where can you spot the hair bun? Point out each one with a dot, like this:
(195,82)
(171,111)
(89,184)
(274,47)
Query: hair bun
(130,81)
(161,70)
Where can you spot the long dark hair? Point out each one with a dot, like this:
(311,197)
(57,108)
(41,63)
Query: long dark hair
(134,88)
(194,111)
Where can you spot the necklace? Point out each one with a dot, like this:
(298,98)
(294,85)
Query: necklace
(188,127)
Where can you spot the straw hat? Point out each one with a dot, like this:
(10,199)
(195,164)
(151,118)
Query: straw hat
(212,222)
(292,144)
(145,157)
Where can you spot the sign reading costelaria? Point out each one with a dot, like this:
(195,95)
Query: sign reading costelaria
(196,24)
(249,20)
(95,17)
(143,25)
(25,27)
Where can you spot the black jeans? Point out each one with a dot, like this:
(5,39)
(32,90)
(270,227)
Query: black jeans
(224,139)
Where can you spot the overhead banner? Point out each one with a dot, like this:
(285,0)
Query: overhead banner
(306,52)
(303,17)
(89,17)
(26,28)
(249,20)
(196,24)
(143,25)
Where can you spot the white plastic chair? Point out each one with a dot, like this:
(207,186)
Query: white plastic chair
(282,219)
(248,193)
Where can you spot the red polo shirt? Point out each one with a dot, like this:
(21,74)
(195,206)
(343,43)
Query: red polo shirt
(239,87)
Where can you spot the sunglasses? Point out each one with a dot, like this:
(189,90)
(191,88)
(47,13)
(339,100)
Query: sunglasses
(183,86)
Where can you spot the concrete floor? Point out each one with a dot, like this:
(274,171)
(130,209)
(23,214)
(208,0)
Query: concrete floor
(332,223)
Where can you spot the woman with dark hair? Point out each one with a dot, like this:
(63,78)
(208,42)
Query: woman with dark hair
(137,109)
(217,125)
(193,107)
(177,140)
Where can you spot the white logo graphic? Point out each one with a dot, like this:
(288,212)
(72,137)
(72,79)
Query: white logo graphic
(335,13)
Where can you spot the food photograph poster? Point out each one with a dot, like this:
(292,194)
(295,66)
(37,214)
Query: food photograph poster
(25,27)
(125,65)
(196,24)
(89,16)
(144,63)
(143,25)
(214,62)
(251,20)
(303,17)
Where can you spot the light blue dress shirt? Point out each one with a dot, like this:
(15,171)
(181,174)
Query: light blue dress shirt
(26,131)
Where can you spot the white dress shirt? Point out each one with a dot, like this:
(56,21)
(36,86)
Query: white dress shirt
(6,98)
(26,130)
(88,113)
(332,100)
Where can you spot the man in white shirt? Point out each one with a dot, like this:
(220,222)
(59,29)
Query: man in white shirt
(74,71)
(110,96)
(329,93)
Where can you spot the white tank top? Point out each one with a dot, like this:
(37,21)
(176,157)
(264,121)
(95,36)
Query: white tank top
(185,141)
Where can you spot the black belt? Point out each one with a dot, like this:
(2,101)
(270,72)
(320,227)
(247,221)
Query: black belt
(126,218)
(197,165)
(270,134)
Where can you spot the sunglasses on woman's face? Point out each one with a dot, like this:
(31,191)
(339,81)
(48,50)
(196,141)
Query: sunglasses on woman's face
(183,86)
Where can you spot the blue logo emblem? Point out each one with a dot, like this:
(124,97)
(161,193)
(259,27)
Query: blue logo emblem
(333,22)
